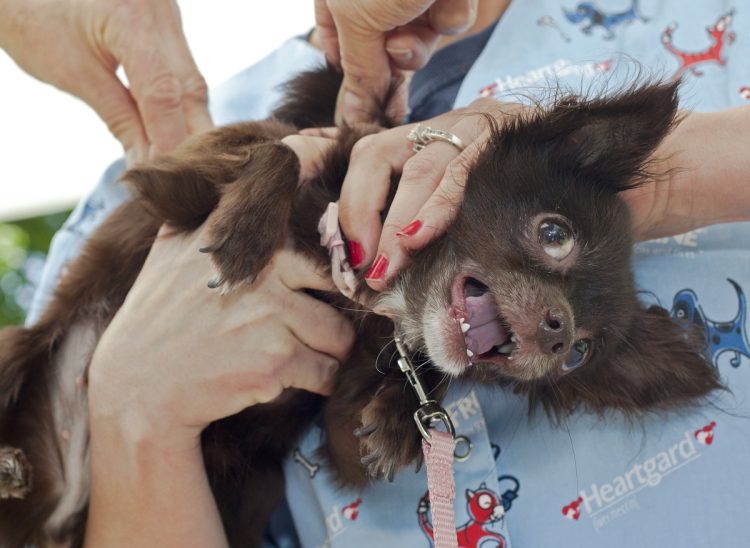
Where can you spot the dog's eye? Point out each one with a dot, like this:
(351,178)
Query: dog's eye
(556,239)
(577,355)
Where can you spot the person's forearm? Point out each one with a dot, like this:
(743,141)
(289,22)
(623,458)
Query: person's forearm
(708,179)
(147,491)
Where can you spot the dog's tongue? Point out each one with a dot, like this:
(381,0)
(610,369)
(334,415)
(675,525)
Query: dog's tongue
(486,331)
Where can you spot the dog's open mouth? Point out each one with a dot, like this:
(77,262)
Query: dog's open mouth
(486,333)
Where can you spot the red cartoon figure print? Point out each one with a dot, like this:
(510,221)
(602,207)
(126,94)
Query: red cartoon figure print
(718,34)
(573,510)
(705,435)
(484,507)
(351,511)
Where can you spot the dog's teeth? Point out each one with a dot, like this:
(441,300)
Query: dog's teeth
(464,326)
(507,348)
(469,353)
(514,338)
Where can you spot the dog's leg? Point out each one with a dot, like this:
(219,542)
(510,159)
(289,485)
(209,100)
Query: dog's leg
(253,216)
(183,187)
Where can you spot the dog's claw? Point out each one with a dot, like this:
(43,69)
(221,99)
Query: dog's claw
(215,282)
(372,458)
(363,431)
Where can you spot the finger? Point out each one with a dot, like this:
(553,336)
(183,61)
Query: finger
(411,46)
(158,94)
(443,205)
(310,370)
(194,88)
(156,61)
(311,152)
(421,176)
(366,186)
(298,272)
(363,57)
(398,104)
(452,16)
(330,132)
(326,35)
(319,325)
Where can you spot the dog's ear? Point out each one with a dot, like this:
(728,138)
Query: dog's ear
(611,139)
(658,365)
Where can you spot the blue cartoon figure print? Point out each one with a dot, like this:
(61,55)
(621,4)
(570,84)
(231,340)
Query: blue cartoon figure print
(588,12)
(721,336)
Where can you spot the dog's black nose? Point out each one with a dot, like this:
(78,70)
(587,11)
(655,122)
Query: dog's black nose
(553,333)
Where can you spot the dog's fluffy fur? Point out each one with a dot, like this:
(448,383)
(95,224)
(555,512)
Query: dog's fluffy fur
(546,184)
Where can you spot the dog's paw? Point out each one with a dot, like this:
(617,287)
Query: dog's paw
(15,474)
(389,439)
(252,219)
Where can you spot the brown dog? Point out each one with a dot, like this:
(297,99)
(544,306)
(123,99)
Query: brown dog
(530,288)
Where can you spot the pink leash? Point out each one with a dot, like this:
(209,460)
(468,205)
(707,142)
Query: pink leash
(438,446)
(438,456)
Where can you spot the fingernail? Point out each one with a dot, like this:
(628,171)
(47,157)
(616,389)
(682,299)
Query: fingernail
(411,229)
(400,54)
(356,253)
(377,271)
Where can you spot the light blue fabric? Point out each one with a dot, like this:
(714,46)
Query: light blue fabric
(679,480)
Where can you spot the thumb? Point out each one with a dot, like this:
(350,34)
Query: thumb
(361,28)
(367,75)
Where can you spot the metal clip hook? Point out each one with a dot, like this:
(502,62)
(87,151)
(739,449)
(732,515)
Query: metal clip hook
(429,411)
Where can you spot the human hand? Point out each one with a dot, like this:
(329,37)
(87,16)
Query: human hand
(178,356)
(78,45)
(429,192)
(373,40)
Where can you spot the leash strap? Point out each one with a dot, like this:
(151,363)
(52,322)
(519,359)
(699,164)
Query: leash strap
(438,457)
(438,448)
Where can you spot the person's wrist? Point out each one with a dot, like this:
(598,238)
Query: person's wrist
(700,173)
(129,408)
(138,427)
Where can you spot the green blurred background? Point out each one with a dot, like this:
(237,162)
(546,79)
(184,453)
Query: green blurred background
(23,248)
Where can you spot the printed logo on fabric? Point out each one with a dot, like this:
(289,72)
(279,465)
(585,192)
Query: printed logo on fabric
(606,502)
(560,68)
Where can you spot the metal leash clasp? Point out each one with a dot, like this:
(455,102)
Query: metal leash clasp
(429,411)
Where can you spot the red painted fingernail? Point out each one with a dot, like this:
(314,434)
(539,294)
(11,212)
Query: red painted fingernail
(411,229)
(356,253)
(377,271)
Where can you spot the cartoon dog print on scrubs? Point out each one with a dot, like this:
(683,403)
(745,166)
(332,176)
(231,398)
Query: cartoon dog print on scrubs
(588,12)
(721,336)
(718,34)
